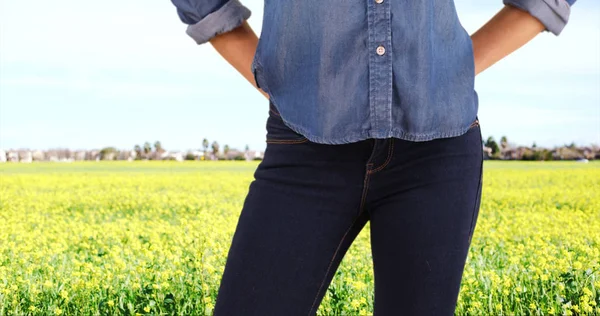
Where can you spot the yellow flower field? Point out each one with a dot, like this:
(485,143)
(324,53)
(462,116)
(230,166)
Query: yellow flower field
(151,238)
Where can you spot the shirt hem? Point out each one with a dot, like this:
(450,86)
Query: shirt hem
(356,137)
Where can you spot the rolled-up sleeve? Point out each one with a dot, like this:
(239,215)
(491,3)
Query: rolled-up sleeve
(554,14)
(209,18)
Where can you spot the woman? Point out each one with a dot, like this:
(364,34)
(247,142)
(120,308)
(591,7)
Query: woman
(372,117)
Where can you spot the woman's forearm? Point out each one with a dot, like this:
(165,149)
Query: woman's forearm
(507,31)
(237,47)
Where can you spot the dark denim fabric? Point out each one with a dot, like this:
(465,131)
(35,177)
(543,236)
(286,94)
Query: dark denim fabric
(309,201)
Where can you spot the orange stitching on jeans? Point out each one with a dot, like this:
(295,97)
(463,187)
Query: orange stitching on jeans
(360,211)
(388,159)
(272,111)
(364,194)
(472,228)
(287,141)
(475,123)
(331,263)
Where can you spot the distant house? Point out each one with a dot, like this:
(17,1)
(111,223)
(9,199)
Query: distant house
(233,153)
(79,155)
(487,152)
(38,155)
(172,155)
(253,154)
(128,155)
(12,156)
(93,155)
(197,154)
(25,156)
(588,152)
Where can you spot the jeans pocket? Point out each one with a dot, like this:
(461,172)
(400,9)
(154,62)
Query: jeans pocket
(278,132)
(474,125)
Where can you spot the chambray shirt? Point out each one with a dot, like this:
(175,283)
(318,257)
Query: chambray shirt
(344,71)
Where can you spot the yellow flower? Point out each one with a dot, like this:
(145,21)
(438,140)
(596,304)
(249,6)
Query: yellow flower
(147,309)
(57,311)
(111,303)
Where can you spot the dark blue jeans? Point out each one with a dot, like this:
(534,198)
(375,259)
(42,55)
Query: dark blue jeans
(309,201)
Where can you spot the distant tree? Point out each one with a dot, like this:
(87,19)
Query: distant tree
(247,149)
(205,146)
(225,149)
(108,153)
(138,152)
(572,145)
(215,148)
(504,143)
(190,156)
(491,143)
(158,147)
(534,145)
(147,149)
(528,154)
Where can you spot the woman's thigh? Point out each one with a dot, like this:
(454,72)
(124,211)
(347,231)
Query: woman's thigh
(424,206)
(297,221)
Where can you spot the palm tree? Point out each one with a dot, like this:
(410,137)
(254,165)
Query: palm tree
(504,143)
(215,148)
(158,147)
(205,146)
(147,149)
(225,149)
(138,151)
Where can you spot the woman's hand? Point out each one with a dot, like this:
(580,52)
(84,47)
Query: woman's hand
(507,31)
(237,47)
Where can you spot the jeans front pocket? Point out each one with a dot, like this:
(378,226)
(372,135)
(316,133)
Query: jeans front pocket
(475,123)
(278,132)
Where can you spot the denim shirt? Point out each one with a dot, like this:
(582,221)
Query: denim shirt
(344,71)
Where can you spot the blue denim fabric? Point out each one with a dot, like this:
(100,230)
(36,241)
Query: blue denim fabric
(344,71)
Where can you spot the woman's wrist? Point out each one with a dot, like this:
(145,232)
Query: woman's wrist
(504,33)
(238,47)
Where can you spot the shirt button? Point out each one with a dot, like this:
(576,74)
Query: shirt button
(378,1)
(380,50)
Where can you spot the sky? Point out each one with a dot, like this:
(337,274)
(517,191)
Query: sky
(87,75)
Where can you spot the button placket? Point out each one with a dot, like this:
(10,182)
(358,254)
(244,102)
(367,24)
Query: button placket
(380,64)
